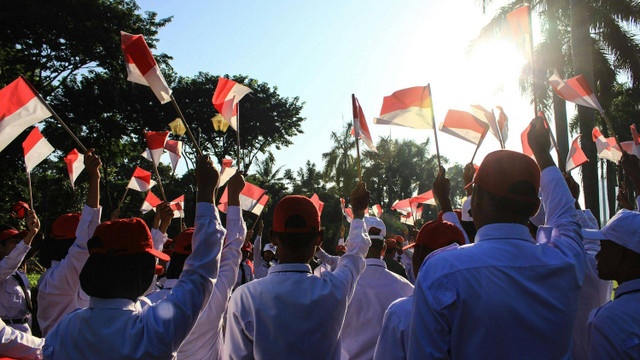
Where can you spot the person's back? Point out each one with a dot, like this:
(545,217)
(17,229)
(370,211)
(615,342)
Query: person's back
(291,313)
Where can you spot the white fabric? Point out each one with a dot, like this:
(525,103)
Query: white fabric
(12,299)
(260,266)
(377,288)
(38,152)
(374,222)
(413,117)
(19,345)
(624,229)
(394,336)
(466,210)
(156,331)
(14,124)
(59,290)
(407,261)
(245,269)
(140,185)
(266,317)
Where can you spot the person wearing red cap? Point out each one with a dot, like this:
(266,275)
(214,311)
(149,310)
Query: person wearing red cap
(505,297)
(59,290)
(433,237)
(159,227)
(245,269)
(291,313)
(15,296)
(266,257)
(389,258)
(16,344)
(377,288)
(120,268)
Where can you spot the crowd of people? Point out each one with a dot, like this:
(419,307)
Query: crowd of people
(520,272)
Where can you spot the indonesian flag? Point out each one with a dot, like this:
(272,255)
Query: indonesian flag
(424,198)
(487,117)
(526,149)
(226,97)
(407,219)
(226,174)
(177,205)
(519,21)
(360,128)
(503,124)
(142,67)
(575,90)
(156,141)
(75,164)
(465,126)
(606,147)
(402,206)
(576,156)
(175,152)
(150,203)
(410,107)
(316,201)
(20,108)
(141,180)
(377,210)
(348,213)
(36,148)
(252,199)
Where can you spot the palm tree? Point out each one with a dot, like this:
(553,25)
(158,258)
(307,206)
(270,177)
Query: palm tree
(340,164)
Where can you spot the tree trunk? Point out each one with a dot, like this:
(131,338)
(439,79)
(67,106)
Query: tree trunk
(583,64)
(612,182)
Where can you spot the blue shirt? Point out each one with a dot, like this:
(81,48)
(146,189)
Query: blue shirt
(504,297)
(615,326)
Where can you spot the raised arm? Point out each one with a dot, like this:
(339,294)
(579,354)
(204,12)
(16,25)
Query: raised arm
(10,263)
(19,345)
(442,193)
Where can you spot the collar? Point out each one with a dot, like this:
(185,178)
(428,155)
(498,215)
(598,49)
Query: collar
(375,262)
(293,267)
(504,231)
(170,284)
(119,304)
(627,287)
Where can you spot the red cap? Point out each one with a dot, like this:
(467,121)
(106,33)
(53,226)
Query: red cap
(168,247)
(65,226)
(296,205)
(438,234)
(341,248)
(246,246)
(159,270)
(509,174)
(391,243)
(399,239)
(125,236)
(20,209)
(12,233)
(458,212)
(183,242)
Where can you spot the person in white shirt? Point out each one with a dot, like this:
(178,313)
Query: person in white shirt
(266,254)
(291,313)
(120,268)
(377,288)
(245,269)
(59,290)
(15,296)
(19,345)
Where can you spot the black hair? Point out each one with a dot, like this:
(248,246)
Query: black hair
(296,241)
(175,265)
(54,250)
(377,244)
(511,206)
(116,277)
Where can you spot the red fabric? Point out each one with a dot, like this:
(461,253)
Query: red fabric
(12,233)
(20,209)
(419,96)
(156,139)
(438,234)
(65,226)
(32,140)
(125,236)
(183,242)
(137,52)
(316,201)
(227,162)
(500,169)
(142,174)
(14,96)
(296,205)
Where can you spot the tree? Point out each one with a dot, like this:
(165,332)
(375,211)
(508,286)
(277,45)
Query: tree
(340,165)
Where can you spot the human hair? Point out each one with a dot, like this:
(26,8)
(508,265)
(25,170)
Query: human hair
(506,205)
(296,241)
(175,265)
(54,250)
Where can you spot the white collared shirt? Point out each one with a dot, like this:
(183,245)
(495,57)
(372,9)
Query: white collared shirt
(19,345)
(59,290)
(122,329)
(377,288)
(278,316)
(13,303)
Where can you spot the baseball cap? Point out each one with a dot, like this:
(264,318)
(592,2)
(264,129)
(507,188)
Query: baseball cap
(11,234)
(246,246)
(509,174)
(65,226)
(374,222)
(270,247)
(182,242)
(437,234)
(125,236)
(341,248)
(391,243)
(20,209)
(293,205)
(623,229)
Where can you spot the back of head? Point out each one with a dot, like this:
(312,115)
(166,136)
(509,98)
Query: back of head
(434,235)
(62,236)
(377,231)
(181,250)
(619,256)
(296,228)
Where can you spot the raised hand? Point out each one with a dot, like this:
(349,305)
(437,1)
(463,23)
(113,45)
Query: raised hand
(234,187)
(540,142)
(359,200)
(442,190)
(207,178)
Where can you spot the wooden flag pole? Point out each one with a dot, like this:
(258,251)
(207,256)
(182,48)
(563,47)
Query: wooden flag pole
(155,168)
(257,221)
(238,137)
(358,152)
(480,143)
(613,132)
(30,191)
(123,197)
(186,126)
(435,132)
(173,173)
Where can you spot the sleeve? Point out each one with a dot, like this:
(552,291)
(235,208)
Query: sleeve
(332,261)
(352,263)
(59,286)
(561,215)
(207,324)
(258,261)
(638,203)
(193,288)
(238,341)
(9,264)
(159,238)
(390,342)
(601,345)
(451,217)
(19,345)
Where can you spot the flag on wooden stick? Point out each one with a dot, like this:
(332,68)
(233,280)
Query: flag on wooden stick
(142,67)
(36,148)
(360,128)
(576,156)
(150,203)
(141,180)
(226,97)
(75,165)
(464,126)
(411,107)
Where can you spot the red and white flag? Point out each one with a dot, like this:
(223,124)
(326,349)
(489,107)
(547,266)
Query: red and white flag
(465,126)
(316,201)
(348,213)
(376,210)
(142,67)
(424,198)
(634,135)
(150,203)
(360,128)
(526,149)
(156,141)
(141,180)
(575,90)
(20,108)
(410,107)
(519,21)
(36,148)
(503,124)
(227,171)
(174,148)
(177,205)
(576,156)
(75,165)
(252,199)
(402,206)
(606,147)
(407,219)
(226,97)
(487,117)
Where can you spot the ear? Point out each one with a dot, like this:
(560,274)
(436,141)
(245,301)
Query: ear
(320,238)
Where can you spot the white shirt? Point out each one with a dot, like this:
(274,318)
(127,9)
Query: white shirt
(59,290)
(205,340)
(394,337)
(13,304)
(292,313)
(377,288)
(19,345)
(121,329)
(260,266)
